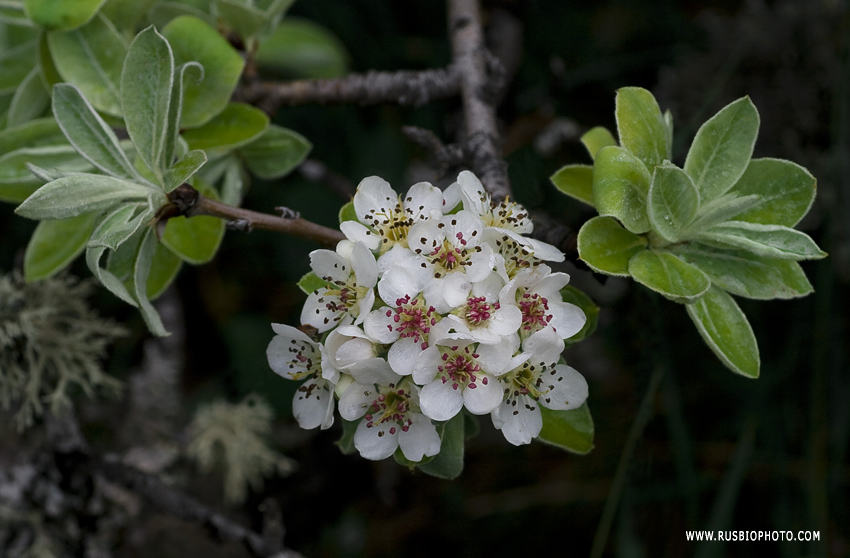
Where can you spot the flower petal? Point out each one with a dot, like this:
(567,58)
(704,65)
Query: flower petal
(380,327)
(567,388)
(396,283)
(313,404)
(440,401)
(317,311)
(365,268)
(356,400)
(374,195)
(421,199)
(327,264)
(486,396)
(425,367)
(404,354)
(358,232)
(521,422)
(567,319)
(420,440)
(376,442)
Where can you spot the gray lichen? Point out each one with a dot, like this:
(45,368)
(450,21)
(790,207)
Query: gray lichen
(51,343)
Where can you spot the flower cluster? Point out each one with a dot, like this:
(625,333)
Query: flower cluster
(435,302)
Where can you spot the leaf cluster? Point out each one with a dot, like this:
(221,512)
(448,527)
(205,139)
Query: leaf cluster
(51,345)
(722,224)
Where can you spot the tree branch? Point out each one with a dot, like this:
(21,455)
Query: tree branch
(473,61)
(187,201)
(405,87)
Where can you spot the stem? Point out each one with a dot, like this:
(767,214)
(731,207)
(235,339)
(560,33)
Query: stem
(189,202)
(641,419)
(472,60)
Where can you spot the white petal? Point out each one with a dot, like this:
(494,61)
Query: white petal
(317,314)
(545,251)
(455,289)
(358,232)
(376,442)
(567,388)
(329,370)
(484,397)
(313,405)
(356,400)
(467,224)
(373,194)
(520,424)
(374,371)
(545,345)
(550,284)
(394,256)
(506,320)
(451,197)
(279,352)
(379,327)
(475,198)
(489,287)
(421,199)
(481,263)
(354,350)
(425,236)
(420,440)
(397,283)
(403,355)
(494,358)
(567,319)
(440,401)
(425,367)
(327,263)
(364,306)
(365,268)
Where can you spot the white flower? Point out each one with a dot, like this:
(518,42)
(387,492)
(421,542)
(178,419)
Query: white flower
(487,316)
(391,419)
(538,380)
(537,295)
(507,215)
(349,350)
(461,375)
(515,253)
(384,217)
(295,356)
(351,273)
(452,253)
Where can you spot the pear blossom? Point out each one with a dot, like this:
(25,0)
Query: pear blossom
(295,356)
(391,418)
(537,380)
(507,215)
(351,273)
(537,294)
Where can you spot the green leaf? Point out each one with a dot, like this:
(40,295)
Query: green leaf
(77,194)
(141,270)
(607,247)
(668,120)
(673,201)
(126,13)
(770,241)
(243,18)
(120,225)
(164,269)
(303,49)
(61,14)
(597,138)
(91,58)
(745,274)
(35,133)
(12,13)
(787,191)
(667,274)
(641,126)
(173,141)
(17,182)
(163,12)
(234,183)
(49,74)
(183,169)
(720,210)
(55,244)
(107,278)
(620,188)
(722,148)
(570,430)
(277,152)
(15,65)
(347,213)
(311,282)
(346,442)
(194,40)
(146,84)
(725,329)
(30,100)
(196,239)
(448,464)
(572,295)
(575,181)
(237,125)
(88,133)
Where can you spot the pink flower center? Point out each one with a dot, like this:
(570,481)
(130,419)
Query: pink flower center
(412,319)
(391,406)
(534,310)
(461,369)
(478,310)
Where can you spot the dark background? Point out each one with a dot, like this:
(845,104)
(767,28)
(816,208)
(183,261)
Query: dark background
(720,451)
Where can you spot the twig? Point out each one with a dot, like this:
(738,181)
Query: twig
(405,87)
(187,201)
(316,171)
(445,156)
(473,61)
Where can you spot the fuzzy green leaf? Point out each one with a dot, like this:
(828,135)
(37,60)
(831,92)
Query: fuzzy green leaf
(303,49)
(745,274)
(673,201)
(76,194)
(164,269)
(570,430)
(621,187)
(146,87)
(597,138)
(107,278)
(770,241)
(126,13)
(725,329)
(196,239)
(17,182)
(237,125)
(88,133)
(91,58)
(575,181)
(120,225)
(641,126)
(722,148)
(448,464)
(55,244)
(61,14)
(141,271)
(35,133)
(607,247)
(29,101)
(194,40)
(243,18)
(311,282)
(184,169)
(720,210)
(277,152)
(15,64)
(174,144)
(668,275)
(787,191)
